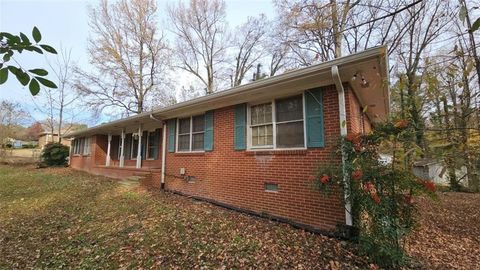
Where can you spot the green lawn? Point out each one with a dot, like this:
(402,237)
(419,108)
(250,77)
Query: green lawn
(54,218)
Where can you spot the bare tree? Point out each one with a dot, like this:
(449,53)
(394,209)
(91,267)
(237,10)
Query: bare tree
(201,39)
(246,44)
(277,51)
(129,56)
(374,22)
(424,24)
(465,16)
(315,27)
(11,115)
(59,104)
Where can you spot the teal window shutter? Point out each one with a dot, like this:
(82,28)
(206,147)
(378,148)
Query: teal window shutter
(314,118)
(240,127)
(208,136)
(171,135)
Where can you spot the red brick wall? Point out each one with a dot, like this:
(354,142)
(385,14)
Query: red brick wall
(357,119)
(237,178)
(86,162)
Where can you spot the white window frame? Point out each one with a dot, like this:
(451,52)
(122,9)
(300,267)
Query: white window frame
(250,147)
(87,146)
(250,126)
(177,133)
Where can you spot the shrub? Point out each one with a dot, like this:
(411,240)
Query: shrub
(29,146)
(381,195)
(55,154)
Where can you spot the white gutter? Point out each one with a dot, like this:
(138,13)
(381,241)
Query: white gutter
(343,133)
(164,155)
(243,89)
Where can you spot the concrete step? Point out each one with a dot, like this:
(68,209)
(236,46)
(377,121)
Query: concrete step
(130,182)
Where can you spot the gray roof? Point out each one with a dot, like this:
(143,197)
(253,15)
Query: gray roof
(372,63)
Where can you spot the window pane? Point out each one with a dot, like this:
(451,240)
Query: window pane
(198,123)
(152,144)
(261,114)
(197,142)
(184,126)
(290,135)
(184,142)
(151,152)
(134,147)
(151,139)
(289,109)
(262,135)
(81,145)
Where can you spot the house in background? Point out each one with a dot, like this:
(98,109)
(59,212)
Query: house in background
(18,143)
(435,170)
(255,147)
(48,137)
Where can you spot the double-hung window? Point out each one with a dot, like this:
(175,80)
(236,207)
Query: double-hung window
(191,132)
(81,146)
(277,124)
(262,125)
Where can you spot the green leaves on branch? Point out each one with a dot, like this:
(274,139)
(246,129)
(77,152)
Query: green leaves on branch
(34,87)
(462,15)
(48,48)
(36,34)
(3,75)
(46,82)
(12,44)
(39,72)
(475,25)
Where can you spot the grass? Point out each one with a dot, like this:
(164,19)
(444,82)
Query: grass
(59,218)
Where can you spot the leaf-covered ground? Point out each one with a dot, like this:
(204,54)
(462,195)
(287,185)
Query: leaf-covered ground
(448,236)
(58,218)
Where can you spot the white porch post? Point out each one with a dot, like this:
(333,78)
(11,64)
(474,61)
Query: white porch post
(107,160)
(122,150)
(139,151)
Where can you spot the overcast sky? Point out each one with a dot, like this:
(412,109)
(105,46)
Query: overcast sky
(64,24)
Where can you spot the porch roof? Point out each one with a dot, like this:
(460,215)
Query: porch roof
(366,72)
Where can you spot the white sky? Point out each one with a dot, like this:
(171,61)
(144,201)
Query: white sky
(64,24)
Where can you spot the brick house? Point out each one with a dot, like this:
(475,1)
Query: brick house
(255,147)
(48,137)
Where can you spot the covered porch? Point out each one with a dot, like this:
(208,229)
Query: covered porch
(133,144)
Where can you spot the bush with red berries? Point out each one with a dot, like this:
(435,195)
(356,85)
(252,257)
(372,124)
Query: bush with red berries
(381,194)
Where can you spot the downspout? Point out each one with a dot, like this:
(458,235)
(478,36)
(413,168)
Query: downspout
(164,148)
(343,133)
(164,155)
